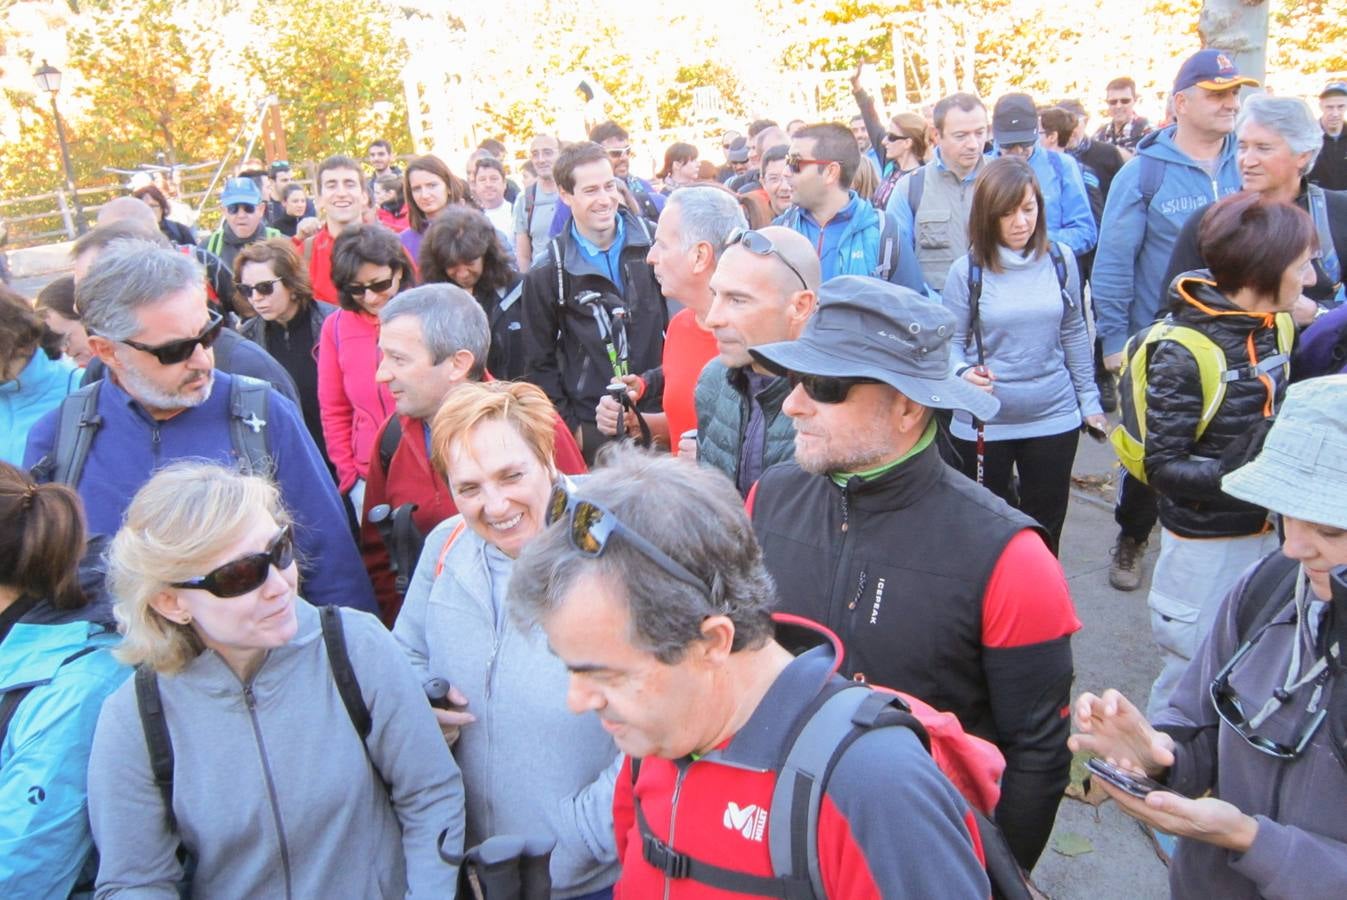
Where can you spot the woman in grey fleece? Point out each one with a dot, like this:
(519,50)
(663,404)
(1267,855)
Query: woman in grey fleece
(1024,340)
(274,794)
(531,767)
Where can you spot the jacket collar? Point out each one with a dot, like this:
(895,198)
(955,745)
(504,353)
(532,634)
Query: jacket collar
(900,486)
(772,395)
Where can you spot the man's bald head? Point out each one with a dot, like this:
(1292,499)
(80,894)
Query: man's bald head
(762,297)
(85,251)
(794,251)
(128,209)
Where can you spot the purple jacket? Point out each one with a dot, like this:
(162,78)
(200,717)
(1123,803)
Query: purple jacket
(1322,349)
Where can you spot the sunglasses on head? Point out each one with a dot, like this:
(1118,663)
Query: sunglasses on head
(263,288)
(235,208)
(247,573)
(591,527)
(795,162)
(179,351)
(356,291)
(824,388)
(759,244)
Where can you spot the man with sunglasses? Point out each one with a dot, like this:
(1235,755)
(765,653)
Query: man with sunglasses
(244,214)
(764,290)
(850,236)
(162,400)
(935,586)
(1125,127)
(653,593)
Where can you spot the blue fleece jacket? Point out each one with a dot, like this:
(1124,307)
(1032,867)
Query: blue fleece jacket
(40,387)
(852,243)
(1136,241)
(1065,203)
(130,446)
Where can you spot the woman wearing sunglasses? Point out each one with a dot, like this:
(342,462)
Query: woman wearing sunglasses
(1259,718)
(529,766)
(56,669)
(1021,336)
(430,188)
(369,267)
(270,276)
(901,147)
(273,788)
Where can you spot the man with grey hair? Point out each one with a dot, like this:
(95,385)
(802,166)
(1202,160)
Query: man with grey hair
(764,291)
(145,309)
(652,590)
(1278,141)
(431,339)
(689,238)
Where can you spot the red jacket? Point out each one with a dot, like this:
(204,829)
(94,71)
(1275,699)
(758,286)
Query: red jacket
(412,479)
(395,220)
(890,824)
(319,262)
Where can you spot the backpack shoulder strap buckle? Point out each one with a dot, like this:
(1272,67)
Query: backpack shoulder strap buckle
(665,858)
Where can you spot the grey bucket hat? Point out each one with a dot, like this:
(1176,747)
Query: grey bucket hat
(1301,471)
(867,328)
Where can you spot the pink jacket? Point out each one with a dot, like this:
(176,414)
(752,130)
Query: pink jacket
(351,404)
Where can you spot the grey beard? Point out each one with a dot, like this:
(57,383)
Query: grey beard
(152,397)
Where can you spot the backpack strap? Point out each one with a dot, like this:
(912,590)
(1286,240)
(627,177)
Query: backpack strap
(1150,176)
(530,203)
(916,186)
(157,739)
(449,542)
(1267,592)
(389,439)
(77,423)
(1329,251)
(308,251)
(888,246)
(560,271)
(248,401)
(348,685)
(975,309)
(1063,275)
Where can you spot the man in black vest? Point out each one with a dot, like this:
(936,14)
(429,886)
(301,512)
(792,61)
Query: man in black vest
(935,586)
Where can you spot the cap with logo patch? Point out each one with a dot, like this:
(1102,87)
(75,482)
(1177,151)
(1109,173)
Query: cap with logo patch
(867,328)
(1211,69)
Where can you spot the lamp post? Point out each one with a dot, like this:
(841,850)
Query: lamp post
(48,80)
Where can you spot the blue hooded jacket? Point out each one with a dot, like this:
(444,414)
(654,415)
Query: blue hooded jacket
(45,838)
(1136,240)
(854,242)
(1065,202)
(40,387)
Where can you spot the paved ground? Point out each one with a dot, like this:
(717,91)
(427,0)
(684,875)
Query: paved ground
(1112,650)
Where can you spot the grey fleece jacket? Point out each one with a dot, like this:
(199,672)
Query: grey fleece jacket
(1037,346)
(1300,852)
(273,791)
(531,767)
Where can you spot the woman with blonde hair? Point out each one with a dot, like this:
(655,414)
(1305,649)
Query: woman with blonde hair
(529,766)
(274,774)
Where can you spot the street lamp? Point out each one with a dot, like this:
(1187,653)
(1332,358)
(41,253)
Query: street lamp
(48,80)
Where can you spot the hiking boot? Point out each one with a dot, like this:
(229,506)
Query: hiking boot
(1125,573)
(1108,391)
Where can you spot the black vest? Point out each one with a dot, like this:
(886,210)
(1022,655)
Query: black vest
(897,567)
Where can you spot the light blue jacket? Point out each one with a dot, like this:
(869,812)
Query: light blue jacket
(858,240)
(40,387)
(1136,239)
(44,821)
(1065,202)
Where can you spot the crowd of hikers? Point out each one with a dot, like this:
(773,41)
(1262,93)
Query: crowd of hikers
(598,536)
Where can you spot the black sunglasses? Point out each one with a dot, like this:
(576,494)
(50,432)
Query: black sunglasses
(263,288)
(891,137)
(1231,709)
(824,388)
(592,527)
(179,351)
(757,243)
(356,291)
(247,573)
(235,208)
(795,162)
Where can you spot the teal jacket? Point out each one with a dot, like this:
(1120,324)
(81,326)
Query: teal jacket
(40,387)
(45,839)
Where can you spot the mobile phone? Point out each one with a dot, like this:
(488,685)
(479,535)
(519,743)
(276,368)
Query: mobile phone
(1136,785)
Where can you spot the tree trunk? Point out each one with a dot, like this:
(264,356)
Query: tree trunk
(1238,27)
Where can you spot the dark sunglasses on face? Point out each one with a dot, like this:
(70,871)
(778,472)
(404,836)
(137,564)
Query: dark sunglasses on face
(356,291)
(591,527)
(236,208)
(179,351)
(247,573)
(794,162)
(761,245)
(825,389)
(1120,101)
(263,288)
(891,137)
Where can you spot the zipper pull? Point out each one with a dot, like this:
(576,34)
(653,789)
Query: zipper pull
(248,697)
(860,589)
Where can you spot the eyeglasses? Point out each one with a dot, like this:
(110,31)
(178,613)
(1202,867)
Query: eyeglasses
(1120,101)
(237,577)
(1231,709)
(759,244)
(263,288)
(179,351)
(825,388)
(235,208)
(356,291)
(619,152)
(794,161)
(592,526)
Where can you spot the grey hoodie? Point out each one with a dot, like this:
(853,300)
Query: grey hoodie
(280,800)
(531,767)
